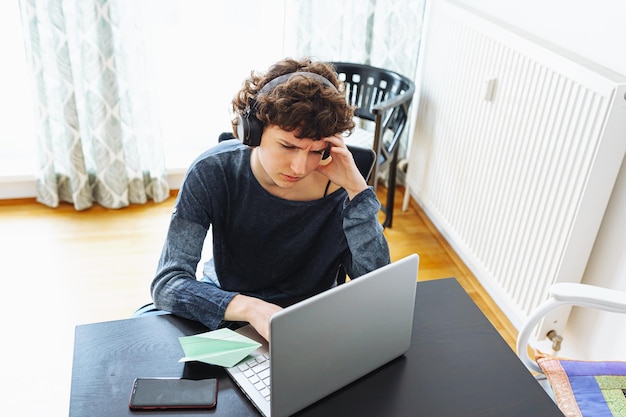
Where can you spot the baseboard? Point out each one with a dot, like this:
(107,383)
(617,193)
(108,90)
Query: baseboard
(25,186)
(17,187)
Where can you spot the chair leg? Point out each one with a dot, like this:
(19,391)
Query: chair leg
(391,190)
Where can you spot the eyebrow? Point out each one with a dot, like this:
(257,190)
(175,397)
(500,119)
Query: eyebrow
(295,145)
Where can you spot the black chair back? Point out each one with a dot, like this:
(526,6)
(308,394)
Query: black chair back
(383,97)
(364,159)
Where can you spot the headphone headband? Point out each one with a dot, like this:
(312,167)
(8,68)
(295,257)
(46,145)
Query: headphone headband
(283,78)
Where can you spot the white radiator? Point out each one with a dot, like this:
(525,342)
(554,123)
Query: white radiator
(515,153)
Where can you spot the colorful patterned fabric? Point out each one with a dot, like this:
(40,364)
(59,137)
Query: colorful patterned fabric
(586,388)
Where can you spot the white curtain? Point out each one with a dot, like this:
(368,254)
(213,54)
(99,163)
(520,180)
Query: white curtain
(382,33)
(104,69)
(98,137)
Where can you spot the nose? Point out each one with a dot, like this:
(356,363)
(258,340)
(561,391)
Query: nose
(299,162)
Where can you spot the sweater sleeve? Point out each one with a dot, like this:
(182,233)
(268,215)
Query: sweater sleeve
(364,233)
(175,287)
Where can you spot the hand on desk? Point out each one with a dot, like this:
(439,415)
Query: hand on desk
(252,310)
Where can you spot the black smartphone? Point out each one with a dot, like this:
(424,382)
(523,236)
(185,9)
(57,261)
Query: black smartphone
(173,393)
(326,153)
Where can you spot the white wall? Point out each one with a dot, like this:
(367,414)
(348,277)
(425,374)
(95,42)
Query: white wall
(596,31)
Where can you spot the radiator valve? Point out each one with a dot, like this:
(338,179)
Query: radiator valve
(555,339)
(403,165)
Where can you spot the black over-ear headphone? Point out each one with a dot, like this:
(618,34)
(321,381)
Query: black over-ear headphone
(249,128)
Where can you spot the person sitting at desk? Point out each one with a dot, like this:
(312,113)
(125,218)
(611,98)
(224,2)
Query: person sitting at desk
(284,218)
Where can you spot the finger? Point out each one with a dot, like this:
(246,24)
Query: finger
(336,140)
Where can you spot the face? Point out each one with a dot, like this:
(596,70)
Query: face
(286,159)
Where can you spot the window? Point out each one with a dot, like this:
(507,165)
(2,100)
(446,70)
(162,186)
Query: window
(17,127)
(201,52)
(198,52)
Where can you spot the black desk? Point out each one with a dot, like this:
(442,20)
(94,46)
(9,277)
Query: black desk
(458,365)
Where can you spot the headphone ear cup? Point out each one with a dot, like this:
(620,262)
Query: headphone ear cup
(249,129)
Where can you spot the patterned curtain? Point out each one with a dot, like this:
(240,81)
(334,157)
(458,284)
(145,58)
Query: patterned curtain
(98,139)
(381,33)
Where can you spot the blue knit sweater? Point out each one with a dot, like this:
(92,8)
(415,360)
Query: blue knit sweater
(263,245)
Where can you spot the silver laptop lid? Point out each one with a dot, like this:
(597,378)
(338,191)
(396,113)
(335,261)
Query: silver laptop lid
(327,341)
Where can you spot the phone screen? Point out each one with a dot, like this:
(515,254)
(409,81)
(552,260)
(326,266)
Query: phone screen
(173,393)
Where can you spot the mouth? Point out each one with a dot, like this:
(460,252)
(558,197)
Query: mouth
(289,178)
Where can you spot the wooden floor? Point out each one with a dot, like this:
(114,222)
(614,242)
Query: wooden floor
(63,268)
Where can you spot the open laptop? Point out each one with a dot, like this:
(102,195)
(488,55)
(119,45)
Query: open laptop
(327,341)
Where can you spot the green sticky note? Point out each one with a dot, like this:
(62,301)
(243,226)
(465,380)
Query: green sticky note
(222,347)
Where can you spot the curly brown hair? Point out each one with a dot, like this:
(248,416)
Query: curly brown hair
(302,105)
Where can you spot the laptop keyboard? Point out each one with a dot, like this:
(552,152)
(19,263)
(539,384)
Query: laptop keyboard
(257,370)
